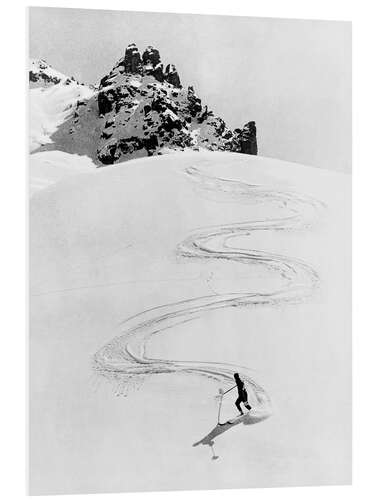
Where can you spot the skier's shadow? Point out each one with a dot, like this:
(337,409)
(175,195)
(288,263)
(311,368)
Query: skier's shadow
(208,440)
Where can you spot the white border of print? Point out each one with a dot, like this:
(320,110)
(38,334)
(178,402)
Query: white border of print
(13,270)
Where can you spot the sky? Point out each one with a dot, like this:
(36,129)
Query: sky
(292,77)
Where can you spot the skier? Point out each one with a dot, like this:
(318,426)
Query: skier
(242,394)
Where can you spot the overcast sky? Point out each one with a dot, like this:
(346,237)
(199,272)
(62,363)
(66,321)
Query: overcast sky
(293,77)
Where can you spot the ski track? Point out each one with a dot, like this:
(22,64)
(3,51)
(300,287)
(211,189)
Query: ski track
(124,360)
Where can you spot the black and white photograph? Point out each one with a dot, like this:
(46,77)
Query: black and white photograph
(189,250)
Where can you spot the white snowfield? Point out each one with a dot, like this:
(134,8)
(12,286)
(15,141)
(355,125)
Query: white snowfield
(154,281)
(50,106)
(50,167)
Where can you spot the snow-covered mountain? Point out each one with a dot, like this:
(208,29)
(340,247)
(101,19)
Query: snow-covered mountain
(139,109)
(41,74)
(52,99)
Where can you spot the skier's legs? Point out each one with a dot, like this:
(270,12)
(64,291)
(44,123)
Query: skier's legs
(238,404)
(244,400)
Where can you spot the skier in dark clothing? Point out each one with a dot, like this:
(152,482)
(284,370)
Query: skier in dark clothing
(242,394)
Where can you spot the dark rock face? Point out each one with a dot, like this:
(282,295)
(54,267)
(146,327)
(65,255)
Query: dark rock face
(105,102)
(132,61)
(245,140)
(151,56)
(151,64)
(33,77)
(157,73)
(195,104)
(109,154)
(171,75)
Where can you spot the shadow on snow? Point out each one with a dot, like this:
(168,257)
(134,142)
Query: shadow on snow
(248,419)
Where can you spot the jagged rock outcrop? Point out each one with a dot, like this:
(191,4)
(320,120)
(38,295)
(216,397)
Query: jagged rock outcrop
(151,56)
(140,109)
(132,61)
(171,75)
(245,140)
(151,63)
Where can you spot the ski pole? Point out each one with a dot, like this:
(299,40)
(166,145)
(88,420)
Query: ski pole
(221,401)
(221,392)
(228,390)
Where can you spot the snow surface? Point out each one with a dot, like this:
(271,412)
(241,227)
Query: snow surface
(50,167)
(151,282)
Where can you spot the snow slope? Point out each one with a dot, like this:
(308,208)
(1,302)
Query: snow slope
(49,107)
(154,281)
(52,100)
(45,169)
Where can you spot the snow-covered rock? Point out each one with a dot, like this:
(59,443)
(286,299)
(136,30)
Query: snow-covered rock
(42,74)
(139,109)
(53,99)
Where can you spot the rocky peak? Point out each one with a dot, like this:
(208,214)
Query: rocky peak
(148,65)
(151,63)
(151,56)
(139,109)
(41,74)
(132,60)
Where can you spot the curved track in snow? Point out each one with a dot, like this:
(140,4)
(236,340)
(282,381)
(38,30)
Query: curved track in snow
(125,359)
